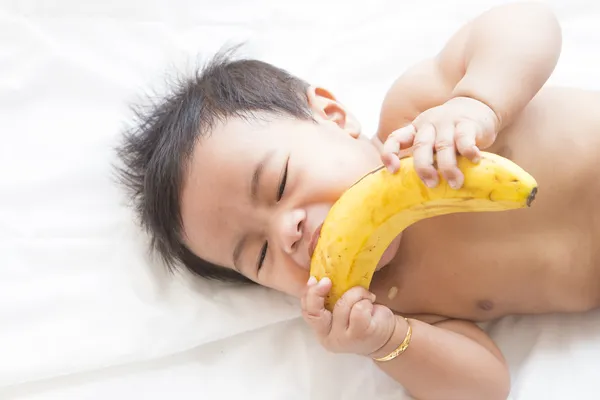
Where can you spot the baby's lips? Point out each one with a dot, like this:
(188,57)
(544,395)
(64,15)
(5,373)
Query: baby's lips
(313,241)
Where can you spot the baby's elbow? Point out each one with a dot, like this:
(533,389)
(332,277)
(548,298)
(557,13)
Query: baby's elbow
(532,15)
(497,385)
(549,19)
(494,384)
(534,10)
(536,27)
(497,388)
(501,387)
(540,17)
(493,387)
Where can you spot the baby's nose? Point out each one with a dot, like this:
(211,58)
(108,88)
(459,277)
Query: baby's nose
(293,230)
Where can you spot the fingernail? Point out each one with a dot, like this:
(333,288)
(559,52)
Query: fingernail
(477,158)
(373,297)
(453,184)
(391,164)
(323,282)
(431,183)
(408,128)
(311,281)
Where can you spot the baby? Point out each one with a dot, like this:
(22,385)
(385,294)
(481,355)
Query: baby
(233,173)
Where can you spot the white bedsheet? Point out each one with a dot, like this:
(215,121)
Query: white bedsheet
(84,314)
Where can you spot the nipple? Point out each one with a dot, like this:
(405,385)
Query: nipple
(485,305)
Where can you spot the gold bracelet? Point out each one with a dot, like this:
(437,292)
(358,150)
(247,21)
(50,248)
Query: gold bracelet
(400,349)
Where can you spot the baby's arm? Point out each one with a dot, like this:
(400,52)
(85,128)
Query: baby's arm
(502,58)
(449,360)
(509,54)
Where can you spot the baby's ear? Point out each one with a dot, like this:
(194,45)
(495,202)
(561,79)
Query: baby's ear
(326,107)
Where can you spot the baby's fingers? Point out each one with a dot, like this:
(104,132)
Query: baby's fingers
(397,141)
(423,154)
(465,139)
(446,155)
(313,306)
(345,306)
(360,318)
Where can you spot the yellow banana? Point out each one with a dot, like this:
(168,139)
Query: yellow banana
(371,213)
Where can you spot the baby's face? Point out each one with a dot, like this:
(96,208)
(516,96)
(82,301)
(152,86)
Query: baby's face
(258,190)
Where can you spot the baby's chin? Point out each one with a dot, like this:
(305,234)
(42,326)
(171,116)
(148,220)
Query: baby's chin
(389,253)
(382,264)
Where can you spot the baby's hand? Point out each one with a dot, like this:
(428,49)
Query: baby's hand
(356,325)
(462,125)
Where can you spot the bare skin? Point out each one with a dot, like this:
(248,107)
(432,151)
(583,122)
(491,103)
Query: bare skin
(538,260)
(482,90)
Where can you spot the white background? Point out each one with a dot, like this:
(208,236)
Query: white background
(85,314)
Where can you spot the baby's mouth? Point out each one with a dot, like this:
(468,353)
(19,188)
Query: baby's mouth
(313,240)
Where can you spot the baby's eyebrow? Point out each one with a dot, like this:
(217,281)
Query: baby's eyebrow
(256,176)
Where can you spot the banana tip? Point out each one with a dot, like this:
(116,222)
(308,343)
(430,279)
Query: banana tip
(531,196)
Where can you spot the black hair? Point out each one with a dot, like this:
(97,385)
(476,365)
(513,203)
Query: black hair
(155,153)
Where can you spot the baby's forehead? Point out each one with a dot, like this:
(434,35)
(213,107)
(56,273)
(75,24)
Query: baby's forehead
(242,138)
(242,130)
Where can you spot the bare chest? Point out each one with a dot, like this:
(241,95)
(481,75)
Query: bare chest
(480,277)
